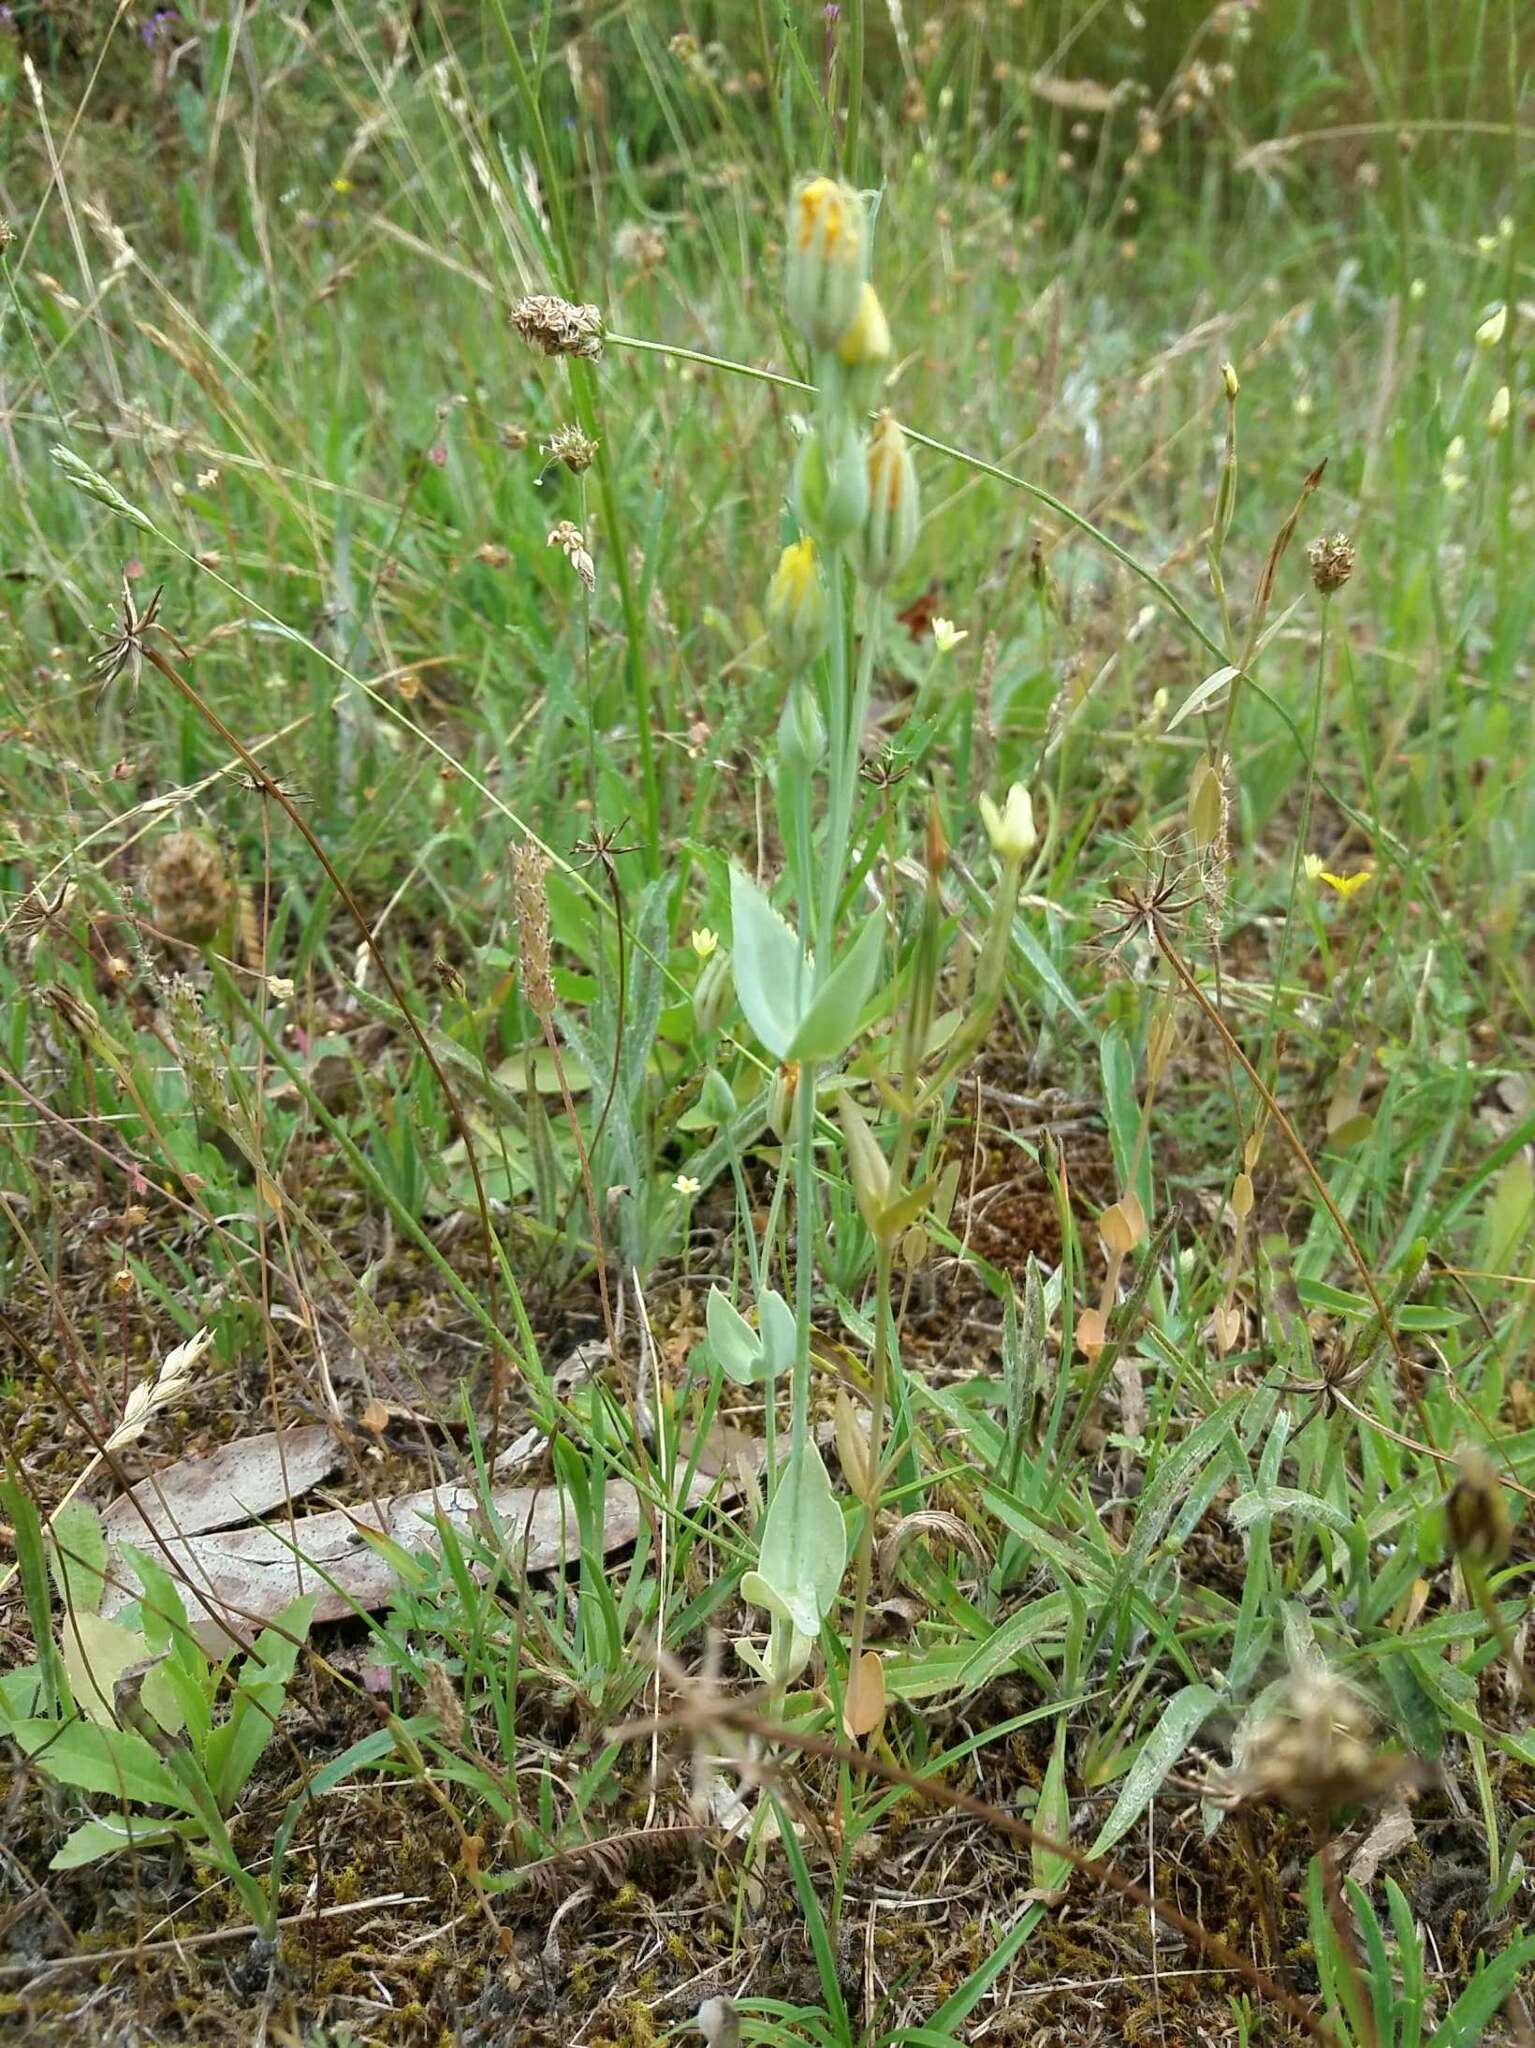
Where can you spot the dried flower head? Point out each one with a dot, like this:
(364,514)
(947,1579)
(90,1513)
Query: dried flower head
(570,446)
(639,246)
(7,234)
(1332,562)
(189,893)
(572,544)
(528,866)
(1318,1750)
(880,546)
(559,328)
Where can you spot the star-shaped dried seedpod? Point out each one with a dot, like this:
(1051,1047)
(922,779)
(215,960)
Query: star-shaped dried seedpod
(124,649)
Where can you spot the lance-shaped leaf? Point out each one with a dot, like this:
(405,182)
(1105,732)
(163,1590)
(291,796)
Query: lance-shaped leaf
(769,968)
(804,1547)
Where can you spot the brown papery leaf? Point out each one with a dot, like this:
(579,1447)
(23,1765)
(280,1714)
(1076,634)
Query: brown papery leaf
(236,1580)
(240,1480)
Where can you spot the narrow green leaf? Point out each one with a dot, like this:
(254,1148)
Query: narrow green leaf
(1185,1712)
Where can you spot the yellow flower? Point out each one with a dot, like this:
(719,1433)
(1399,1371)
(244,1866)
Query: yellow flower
(796,608)
(704,942)
(341,185)
(823,270)
(1347,885)
(687,1186)
(947,636)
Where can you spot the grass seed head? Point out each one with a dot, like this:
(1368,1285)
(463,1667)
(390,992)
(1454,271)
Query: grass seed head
(532,900)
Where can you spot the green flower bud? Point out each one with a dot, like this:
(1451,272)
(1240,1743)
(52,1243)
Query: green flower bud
(1011,830)
(796,610)
(801,731)
(831,485)
(824,264)
(880,547)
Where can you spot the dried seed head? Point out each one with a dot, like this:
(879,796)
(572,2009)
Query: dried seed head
(559,328)
(7,234)
(189,892)
(1317,1751)
(1475,1514)
(570,446)
(442,1699)
(532,900)
(1332,562)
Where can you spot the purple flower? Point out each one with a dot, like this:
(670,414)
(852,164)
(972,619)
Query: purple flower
(158,23)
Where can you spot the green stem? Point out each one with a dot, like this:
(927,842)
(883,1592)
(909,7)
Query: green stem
(844,791)
(1302,834)
(804,1264)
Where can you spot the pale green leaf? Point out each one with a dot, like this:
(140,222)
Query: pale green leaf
(735,1344)
(1184,1713)
(804,1547)
(96,1654)
(770,972)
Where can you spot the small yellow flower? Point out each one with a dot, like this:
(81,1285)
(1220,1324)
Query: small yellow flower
(341,185)
(1313,867)
(1417,291)
(1347,885)
(947,636)
(686,1185)
(704,942)
(1492,329)
(1486,245)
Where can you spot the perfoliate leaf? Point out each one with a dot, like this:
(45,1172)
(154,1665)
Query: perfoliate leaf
(804,1547)
(735,1344)
(779,1333)
(827,1026)
(770,972)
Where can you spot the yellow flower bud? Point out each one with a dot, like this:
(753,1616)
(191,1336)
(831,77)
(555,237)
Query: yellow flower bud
(796,610)
(1011,830)
(1490,333)
(880,547)
(866,344)
(1497,412)
(824,266)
